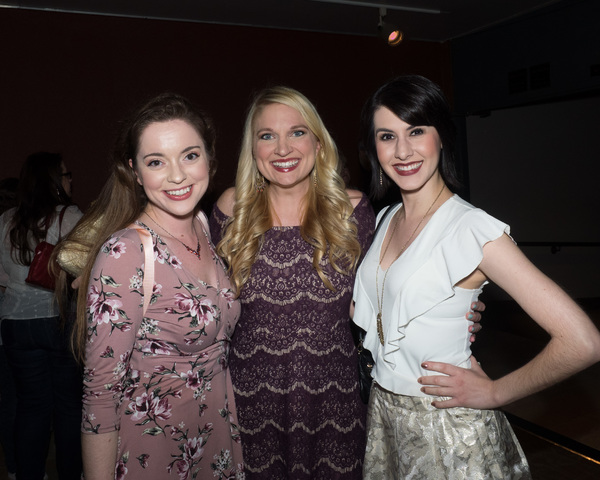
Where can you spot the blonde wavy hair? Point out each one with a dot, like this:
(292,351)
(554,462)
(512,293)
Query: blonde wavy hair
(326,223)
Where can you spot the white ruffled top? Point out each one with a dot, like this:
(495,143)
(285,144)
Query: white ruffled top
(423,311)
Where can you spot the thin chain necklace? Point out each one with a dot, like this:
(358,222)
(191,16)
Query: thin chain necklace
(189,249)
(380,300)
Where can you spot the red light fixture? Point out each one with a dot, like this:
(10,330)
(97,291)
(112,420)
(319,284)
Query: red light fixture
(390,33)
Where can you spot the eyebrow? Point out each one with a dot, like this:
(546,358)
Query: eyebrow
(410,127)
(192,147)
(187,149)
(293,127)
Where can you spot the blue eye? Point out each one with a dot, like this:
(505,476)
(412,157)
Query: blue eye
(298,133)
(266,136)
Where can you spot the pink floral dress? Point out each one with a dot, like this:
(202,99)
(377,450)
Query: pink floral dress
(162,380)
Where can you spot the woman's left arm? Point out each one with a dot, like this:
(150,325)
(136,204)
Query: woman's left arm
(574,344)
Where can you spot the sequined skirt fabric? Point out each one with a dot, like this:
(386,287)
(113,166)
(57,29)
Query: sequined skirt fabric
(407,438)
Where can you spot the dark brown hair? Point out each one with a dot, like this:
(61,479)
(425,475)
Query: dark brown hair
(40,191)
(417,101)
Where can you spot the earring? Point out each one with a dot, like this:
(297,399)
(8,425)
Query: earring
(260,183)
(380,177)
(315,180)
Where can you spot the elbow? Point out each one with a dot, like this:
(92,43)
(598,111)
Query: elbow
(589,348)
(579,348)
(596,350)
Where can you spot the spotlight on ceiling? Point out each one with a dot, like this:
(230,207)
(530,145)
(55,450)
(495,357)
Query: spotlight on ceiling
(390,33)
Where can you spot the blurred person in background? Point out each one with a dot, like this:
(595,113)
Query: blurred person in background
(8,397)
(47,378)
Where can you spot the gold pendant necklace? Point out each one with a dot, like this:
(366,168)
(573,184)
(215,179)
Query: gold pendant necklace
(380,300)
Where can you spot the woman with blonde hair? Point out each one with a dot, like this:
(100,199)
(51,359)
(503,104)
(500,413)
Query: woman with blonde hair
(293,235)
(156,311)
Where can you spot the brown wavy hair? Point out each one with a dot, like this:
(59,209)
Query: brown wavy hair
(122,199)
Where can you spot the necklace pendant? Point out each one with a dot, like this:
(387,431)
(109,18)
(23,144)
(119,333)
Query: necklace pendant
(380,329)
(192,251)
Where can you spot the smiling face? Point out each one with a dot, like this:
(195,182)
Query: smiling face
(283,146)
(408,154)
(172,167)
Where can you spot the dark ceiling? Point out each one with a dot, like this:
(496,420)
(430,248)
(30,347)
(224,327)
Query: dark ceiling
(429,20)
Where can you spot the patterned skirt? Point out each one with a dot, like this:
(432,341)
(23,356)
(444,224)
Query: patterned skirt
(408,438)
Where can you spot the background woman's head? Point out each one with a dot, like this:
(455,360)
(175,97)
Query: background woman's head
(417,101)
(42,187)
(42,181)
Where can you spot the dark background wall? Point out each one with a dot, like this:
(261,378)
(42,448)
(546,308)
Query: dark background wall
(67,80)
(526,97)
(528,92)
(541,57)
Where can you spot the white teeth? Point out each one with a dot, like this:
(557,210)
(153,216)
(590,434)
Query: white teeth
(408,168)
(182,191)
(288,164)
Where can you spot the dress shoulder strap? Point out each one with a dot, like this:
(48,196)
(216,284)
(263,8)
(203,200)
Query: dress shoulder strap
(204,221)
(148,283)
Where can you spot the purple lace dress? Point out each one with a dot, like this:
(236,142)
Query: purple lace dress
(294,364)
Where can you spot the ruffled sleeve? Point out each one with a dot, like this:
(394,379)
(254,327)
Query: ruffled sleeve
(449,249)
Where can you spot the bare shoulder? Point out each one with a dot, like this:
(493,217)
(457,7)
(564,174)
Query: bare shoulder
(226,201)
(355,196)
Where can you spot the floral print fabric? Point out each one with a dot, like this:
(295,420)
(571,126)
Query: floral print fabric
(162,380)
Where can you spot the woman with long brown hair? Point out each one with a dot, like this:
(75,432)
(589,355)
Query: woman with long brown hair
(155,321)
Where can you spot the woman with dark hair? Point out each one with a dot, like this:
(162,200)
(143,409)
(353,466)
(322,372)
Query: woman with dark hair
(47,378)
(430,259)
(158,399)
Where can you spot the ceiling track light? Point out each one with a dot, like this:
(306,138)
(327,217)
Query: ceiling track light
(390,33)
